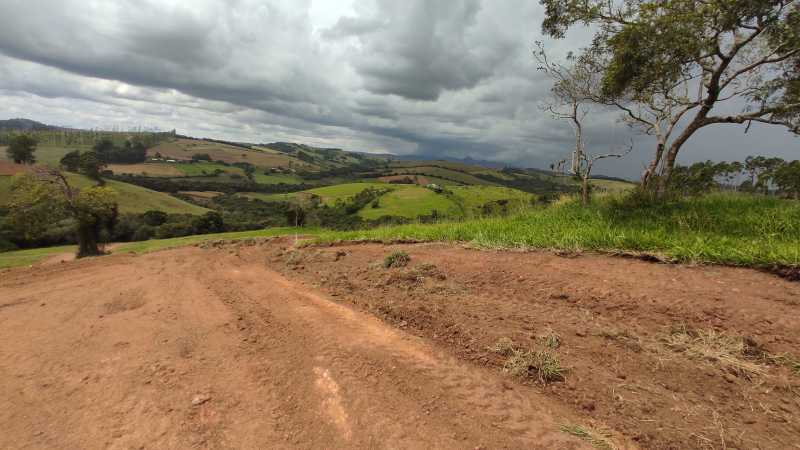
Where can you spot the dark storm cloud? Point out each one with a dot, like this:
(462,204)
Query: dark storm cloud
(448,78)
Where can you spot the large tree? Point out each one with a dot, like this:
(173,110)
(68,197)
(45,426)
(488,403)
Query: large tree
(46,197)
(677,66)
(21,148)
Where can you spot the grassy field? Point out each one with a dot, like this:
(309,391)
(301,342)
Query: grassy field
(439,172)
(612,185)
(28,257)
(276,178)
(131,199)
(50,155)
(472,198)
(719,228)
(410,201)
(329,194)
(148,169)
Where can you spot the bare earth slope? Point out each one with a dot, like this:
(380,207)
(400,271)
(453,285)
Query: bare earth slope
(262,345)
(197,348)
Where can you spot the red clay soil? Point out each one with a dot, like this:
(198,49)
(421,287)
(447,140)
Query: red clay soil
(196,348)
(9,168)
(623,326)
(261,345)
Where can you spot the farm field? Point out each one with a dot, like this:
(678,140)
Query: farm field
(183,149)
(328,194)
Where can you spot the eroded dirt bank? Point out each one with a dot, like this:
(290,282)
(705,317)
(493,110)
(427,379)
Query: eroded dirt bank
(198,348)
(671,356)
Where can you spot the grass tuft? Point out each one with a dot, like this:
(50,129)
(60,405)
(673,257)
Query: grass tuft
(396,259)
(588,436)
(551,339)
(542,365)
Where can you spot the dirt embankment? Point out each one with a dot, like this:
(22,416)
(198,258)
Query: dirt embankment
(670,356)
(267,346)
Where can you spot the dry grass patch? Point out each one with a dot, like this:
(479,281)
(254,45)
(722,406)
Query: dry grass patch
(543,365)
(735,354)
(595,438)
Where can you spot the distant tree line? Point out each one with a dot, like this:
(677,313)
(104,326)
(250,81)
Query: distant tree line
(173,185)
(757,174)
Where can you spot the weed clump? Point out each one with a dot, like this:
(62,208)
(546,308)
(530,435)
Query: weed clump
(542,365)
(396,259)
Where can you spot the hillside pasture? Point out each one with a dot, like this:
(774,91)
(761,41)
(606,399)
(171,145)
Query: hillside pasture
(50,155)
(131,199)
(183,149)
(410,201)
(147,169)
(472,198)
(449,175)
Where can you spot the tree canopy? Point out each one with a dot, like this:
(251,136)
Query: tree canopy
(21,149)
(670,63)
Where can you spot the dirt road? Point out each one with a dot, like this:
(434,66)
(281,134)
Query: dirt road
(197,348)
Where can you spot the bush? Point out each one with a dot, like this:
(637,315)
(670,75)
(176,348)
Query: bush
(154,218)
(143,233)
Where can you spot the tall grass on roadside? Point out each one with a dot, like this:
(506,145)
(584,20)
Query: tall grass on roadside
(722,228)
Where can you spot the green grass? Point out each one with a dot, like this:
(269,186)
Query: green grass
(329,194)
(440,172)
(28,257)
(131,198)
(612,185)
(51,155)
(473,197)
(720,228)
(205,168)
(276,178)
(410,201)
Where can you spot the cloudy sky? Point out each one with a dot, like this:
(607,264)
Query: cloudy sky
(434,78)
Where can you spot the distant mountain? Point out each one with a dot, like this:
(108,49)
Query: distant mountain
(25,125)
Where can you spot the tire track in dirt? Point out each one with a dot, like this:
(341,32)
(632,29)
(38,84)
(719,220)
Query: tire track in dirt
(445,403)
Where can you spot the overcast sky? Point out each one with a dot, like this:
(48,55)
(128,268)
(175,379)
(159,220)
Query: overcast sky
(434,78)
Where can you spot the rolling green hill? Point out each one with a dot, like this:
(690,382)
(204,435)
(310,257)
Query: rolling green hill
(131,199)
(411,201)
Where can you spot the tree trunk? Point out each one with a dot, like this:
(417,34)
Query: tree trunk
(669,163)
(88,237)
(653,166)
(585,191)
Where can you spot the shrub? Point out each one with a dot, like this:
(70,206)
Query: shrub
(396,259)
(154,218)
